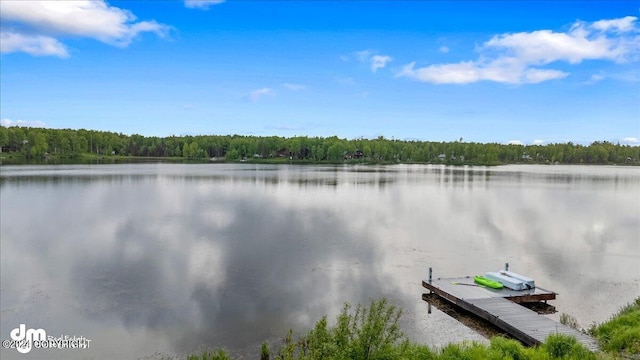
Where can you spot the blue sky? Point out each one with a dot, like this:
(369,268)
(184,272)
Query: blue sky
(502,71)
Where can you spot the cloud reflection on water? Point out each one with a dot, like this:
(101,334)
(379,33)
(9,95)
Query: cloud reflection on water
(201,255)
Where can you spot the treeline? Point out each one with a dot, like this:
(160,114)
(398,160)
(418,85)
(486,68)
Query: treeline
(38,143)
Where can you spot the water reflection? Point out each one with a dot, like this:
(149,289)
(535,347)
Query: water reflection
(168,258)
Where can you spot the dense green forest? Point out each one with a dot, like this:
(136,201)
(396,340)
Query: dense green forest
(37,143)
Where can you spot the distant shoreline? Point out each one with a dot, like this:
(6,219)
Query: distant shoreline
(7,159)
(20,145)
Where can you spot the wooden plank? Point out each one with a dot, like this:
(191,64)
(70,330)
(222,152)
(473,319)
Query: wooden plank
(524,324)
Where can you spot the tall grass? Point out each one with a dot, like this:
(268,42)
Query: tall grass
(265,353)
(569,320)
(560,346)
(622,332)
(219,354)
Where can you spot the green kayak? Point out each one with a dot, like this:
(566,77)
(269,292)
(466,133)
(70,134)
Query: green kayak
(487,282)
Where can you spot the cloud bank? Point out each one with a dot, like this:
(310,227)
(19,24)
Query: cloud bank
(23,123)
(33,27)
(519,58)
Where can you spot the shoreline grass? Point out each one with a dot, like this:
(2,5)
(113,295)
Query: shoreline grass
(372,333)
(621,334)
(17,158)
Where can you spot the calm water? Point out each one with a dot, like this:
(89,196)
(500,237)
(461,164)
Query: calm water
(164,259)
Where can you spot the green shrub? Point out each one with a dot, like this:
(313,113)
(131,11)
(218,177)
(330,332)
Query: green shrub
(375,330)
(288,351)
(369,333)
(219,354)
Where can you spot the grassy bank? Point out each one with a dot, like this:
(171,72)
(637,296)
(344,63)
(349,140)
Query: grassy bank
(621,334)
(372,332)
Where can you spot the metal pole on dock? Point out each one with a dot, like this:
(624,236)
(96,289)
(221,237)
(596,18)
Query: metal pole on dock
(430,273)
(506,266)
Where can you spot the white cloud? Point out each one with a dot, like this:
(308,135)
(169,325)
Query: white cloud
(514,142)
(23,123)
(379,62)
(255,95)
(624,24)
(502,70)
(545,46)
(201,4)
(369,56)
(534,76)
(444,49)
(42,22)
(460,73)
(294,87)
(538,142)
(36,45)
(631,141)
(517,58)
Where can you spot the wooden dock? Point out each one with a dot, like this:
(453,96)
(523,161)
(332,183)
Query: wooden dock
(502,308)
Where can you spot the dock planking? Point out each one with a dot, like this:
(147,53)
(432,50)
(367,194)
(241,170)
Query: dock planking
(502,308)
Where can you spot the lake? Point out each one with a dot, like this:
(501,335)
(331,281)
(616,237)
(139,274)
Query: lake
(153,260)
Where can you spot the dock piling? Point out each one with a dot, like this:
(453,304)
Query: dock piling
(506,266)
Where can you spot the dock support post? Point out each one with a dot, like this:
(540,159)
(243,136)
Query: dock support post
(430,275)
(506,266)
